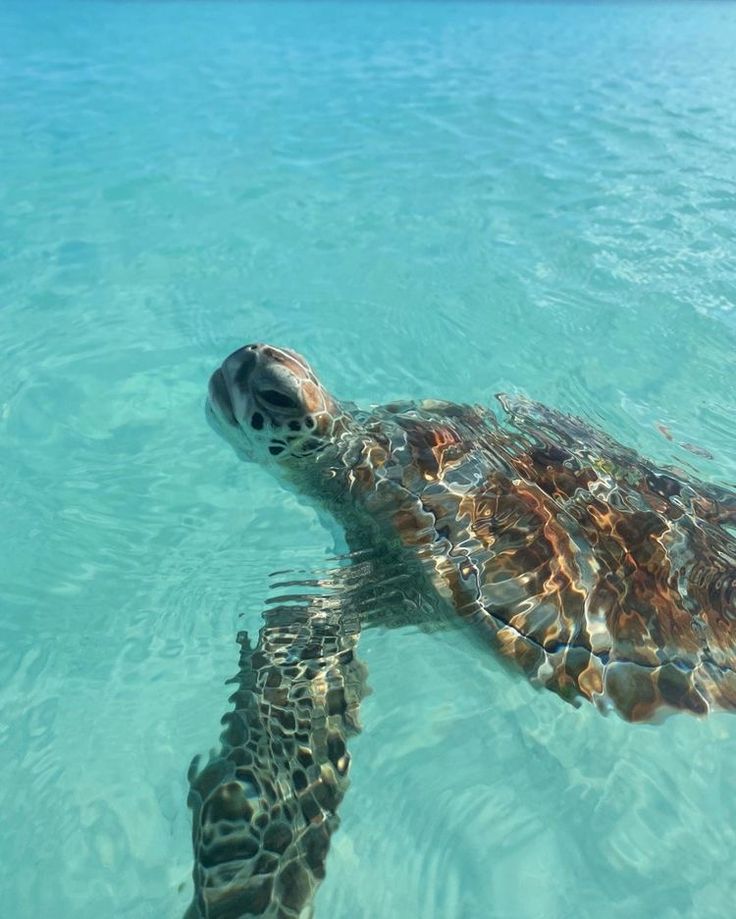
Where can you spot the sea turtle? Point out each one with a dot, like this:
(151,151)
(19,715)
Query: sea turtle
(593,572)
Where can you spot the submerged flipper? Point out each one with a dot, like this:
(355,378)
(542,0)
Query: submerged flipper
(265,807)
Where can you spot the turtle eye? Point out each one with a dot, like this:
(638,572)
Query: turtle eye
(277,399)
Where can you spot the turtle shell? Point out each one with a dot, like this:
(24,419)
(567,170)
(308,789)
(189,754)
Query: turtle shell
(598,574)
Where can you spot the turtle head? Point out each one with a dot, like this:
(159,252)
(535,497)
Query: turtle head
(268,404)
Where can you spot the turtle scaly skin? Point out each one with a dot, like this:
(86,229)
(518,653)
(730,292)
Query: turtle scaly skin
(596,574)
(265,806)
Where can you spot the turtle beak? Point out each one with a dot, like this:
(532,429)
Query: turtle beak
(219,397)
(238,367)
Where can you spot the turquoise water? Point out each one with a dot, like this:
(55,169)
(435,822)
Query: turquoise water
(427,200)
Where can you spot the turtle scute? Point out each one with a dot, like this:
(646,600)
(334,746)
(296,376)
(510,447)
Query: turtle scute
(596,573)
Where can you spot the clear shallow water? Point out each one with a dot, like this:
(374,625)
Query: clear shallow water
(427,200)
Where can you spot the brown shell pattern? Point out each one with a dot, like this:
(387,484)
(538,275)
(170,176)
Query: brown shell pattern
(599,575)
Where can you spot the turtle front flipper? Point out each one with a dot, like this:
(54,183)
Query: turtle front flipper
(265,807)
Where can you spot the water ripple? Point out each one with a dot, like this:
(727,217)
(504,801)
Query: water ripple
(429,200)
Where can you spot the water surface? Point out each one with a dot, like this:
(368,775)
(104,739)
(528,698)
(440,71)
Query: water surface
(427,200)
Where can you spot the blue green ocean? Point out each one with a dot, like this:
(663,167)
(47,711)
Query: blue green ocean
(427,200)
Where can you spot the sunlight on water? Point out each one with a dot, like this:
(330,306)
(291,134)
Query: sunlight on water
(427,200)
